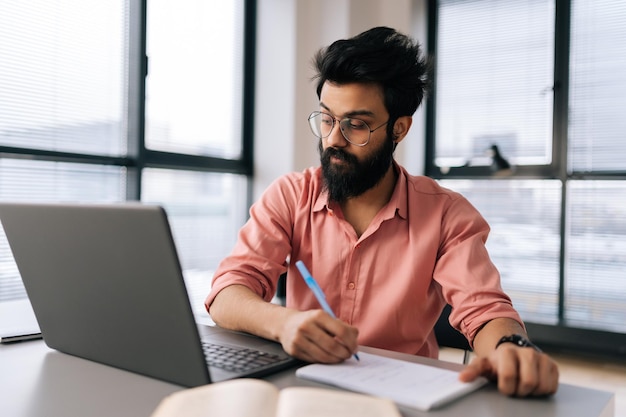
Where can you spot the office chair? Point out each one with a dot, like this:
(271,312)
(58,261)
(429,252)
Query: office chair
(281,289)
(448,336)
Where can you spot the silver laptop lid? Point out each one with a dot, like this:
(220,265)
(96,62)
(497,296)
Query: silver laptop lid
(106,284)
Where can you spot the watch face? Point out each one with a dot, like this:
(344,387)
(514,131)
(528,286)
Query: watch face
(519,340)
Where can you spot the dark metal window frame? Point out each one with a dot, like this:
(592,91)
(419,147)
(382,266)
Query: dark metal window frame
(560,336)
(138,157)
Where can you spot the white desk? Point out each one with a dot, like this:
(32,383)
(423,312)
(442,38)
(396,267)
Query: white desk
(36,381)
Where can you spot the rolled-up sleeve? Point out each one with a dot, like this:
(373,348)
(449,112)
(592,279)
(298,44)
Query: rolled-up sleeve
(264,242)
(469,280)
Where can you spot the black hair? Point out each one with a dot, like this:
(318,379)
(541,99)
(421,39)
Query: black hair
(379,56)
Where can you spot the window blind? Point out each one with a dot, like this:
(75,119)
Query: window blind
(494,76)
(66,86)
(194,87)
(524,242)
(62,75)
(61,89)
(205,211)
(596,255)
(597,126)
(26,180)
(194,105)
(480,44)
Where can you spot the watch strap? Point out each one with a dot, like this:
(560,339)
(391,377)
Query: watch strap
(518,340)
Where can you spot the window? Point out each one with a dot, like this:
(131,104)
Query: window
(542,83)
(524,242)
(62,76)
(84,117)
(205,210)
(494,81)
(597,88)
(195,78)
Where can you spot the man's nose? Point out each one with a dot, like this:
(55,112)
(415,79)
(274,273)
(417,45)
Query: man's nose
(336,138)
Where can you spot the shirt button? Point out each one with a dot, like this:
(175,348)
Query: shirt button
(351,286)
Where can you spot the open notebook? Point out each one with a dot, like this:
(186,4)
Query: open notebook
(407,383)
(105,284)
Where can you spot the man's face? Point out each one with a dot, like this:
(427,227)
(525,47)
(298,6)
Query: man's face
(349,170)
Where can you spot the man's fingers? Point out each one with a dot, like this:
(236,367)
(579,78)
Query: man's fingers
(529,373)
(537,374)
(314,336)
(549,377)
(478,367)
(333,336)
(517,372)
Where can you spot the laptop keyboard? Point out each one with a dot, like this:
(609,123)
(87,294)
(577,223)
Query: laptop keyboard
(237,359)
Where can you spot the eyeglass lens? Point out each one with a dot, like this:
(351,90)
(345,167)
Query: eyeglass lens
(354,130)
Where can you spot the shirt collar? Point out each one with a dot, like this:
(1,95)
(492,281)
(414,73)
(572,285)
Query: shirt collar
(322,198)
(397,203)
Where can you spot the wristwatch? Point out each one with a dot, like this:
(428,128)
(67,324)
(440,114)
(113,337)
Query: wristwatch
(519,340)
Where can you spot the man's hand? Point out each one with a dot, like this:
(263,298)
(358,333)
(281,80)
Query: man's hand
(314,336)
(518,371)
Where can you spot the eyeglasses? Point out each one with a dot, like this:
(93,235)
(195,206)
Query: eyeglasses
(356,131)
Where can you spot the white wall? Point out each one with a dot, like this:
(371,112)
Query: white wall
(289,32)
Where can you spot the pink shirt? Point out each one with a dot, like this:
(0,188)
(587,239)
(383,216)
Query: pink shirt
(426,247)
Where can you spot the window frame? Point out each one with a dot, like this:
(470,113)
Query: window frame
(138,156)
(559,336)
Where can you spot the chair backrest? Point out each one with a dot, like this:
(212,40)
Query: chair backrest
(281,289)
(448,336)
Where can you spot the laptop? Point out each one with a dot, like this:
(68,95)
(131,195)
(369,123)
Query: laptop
(106,284)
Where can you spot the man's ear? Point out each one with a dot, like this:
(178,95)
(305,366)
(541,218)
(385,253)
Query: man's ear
(401,128)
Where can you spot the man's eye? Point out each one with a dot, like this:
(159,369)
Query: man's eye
(327,120)
(356,124)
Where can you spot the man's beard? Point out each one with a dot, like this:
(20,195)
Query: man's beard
(353,178)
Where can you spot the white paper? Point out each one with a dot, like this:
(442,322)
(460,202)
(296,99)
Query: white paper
(411,384)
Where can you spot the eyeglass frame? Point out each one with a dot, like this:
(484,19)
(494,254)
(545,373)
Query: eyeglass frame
(335,119)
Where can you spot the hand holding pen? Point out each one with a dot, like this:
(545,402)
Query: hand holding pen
(317,291)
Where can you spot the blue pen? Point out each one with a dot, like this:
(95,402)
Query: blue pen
(317,291)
